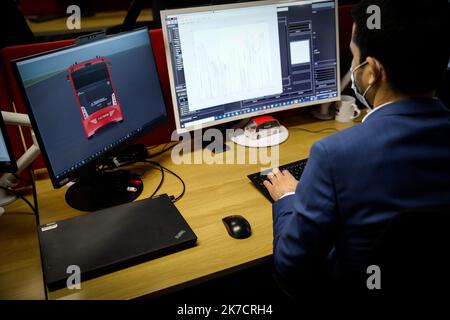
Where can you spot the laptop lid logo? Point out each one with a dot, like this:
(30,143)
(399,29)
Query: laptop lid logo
(49,226)
(180,234)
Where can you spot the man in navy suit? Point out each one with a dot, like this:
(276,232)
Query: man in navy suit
(399,157)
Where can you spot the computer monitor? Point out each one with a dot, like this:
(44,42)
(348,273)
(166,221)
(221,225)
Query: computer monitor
(236,61)
(7,161)
(85,102)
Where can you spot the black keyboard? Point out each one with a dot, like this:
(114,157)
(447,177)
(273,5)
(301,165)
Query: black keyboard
(295,168)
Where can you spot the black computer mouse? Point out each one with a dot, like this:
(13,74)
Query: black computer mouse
(237,227)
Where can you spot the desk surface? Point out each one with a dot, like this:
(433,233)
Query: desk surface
(212,192)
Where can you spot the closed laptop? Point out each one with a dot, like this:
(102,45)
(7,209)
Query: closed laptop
(112,238)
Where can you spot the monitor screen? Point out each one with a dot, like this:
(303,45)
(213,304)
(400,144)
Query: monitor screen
(7,162)
(231,62)
(86,100)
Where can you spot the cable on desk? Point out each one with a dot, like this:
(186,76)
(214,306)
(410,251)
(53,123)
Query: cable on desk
(111,167)
(36,205)
(28,183)
(164,149)
(182,182)
(108,166)
(126,161)
(315,131)
(162,177)
(17,194)
(33,186)
(172,173)
(137,155)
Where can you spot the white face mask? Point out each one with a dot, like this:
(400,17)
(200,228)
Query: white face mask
(359,96)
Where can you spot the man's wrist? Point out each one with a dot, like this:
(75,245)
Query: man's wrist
(286,195)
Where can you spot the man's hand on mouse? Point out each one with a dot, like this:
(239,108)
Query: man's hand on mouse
(280,183)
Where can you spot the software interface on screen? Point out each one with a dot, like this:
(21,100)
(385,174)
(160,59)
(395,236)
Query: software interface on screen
(231,62)
(87,99)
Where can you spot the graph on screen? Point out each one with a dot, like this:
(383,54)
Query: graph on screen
(226,63)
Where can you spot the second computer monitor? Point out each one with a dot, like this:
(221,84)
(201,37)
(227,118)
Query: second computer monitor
(86,102)
(236,61)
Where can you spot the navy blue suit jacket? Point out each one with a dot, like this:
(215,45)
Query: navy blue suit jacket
(356,180)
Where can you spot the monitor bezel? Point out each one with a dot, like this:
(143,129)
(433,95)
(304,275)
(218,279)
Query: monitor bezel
(72,175)
(171,12)
(11,165)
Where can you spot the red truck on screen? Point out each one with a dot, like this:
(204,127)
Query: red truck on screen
(95,94)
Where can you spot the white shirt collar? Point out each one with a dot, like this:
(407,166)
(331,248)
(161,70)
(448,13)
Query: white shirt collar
(376,109)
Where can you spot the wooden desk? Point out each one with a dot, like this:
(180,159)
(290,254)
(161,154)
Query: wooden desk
(212,192)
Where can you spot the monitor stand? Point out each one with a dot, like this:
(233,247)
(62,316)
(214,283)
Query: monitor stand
(96,190)
(326,112)
(261,142)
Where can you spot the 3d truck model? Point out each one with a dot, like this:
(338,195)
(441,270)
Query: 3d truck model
(261,127)
(95,94)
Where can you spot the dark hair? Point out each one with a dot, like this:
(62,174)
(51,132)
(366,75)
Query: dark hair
(413,43)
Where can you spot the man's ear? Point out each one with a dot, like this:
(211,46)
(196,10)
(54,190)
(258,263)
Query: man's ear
(375,70)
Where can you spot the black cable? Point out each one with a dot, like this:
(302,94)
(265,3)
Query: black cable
(164,149)
(36,206)
(162,178)
(174,174)
(182,182)
(33,186)
(129,160)
(17,194)
(112,167)
(154,147)
(109,166)
(28,183)
(315,131)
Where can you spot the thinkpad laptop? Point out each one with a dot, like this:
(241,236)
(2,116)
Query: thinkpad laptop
(112,238)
